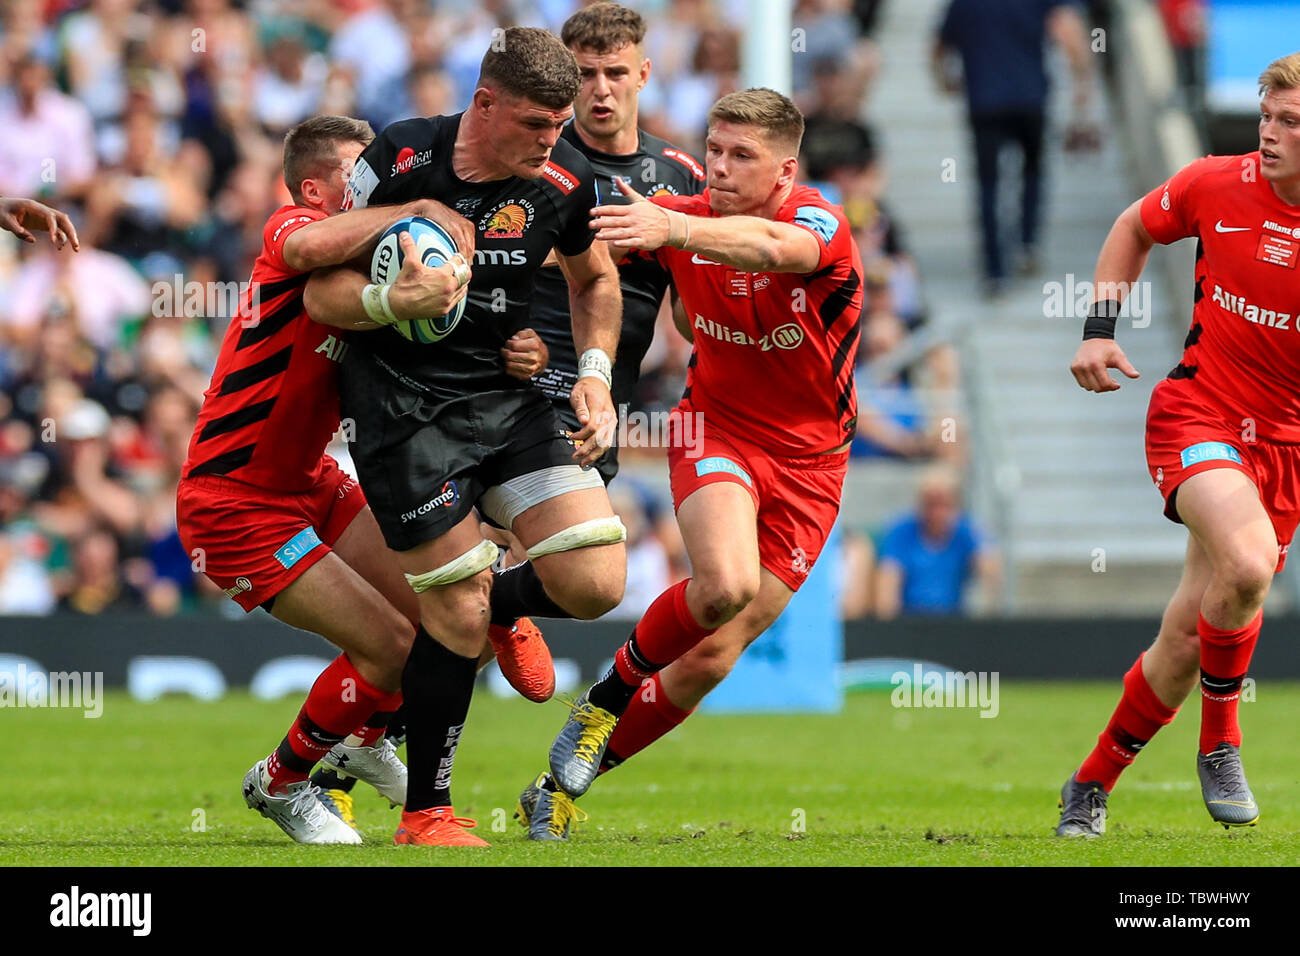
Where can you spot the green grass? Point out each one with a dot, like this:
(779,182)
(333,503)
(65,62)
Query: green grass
(873,785)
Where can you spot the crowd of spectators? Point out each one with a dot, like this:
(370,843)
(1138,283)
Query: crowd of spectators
(157,124)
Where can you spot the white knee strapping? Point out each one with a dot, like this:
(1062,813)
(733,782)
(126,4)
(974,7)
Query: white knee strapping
(596,531)
(458,569)
(505,502)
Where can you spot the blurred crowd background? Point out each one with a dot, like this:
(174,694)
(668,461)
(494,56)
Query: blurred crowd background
(158,124)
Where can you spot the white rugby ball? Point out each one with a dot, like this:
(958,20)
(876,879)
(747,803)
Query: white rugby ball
(436,248)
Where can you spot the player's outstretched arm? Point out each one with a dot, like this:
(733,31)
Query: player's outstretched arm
(748,243)
(342,238)
(1120,263)
(596,305)
(753,244)
(20,216)
(344,298)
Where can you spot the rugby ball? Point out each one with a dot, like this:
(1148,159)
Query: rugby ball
(435,247)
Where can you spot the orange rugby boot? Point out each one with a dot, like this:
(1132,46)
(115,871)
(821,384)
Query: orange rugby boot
(524,659)
(437,826)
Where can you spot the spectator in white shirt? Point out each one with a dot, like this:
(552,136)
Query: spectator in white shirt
(48,144)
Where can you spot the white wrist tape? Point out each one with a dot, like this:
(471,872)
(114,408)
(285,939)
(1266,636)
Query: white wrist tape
(594,363)
(679,229)
(374,299)
(460,269)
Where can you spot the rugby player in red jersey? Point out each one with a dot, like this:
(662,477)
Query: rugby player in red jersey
(1222,440)
(271,518)
(771,279)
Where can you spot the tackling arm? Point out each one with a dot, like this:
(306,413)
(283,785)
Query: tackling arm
(335,296)
(342,238)
(749,243)
(753,244)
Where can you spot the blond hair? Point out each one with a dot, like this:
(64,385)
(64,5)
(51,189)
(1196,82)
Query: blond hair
(1282,74)
(774,114)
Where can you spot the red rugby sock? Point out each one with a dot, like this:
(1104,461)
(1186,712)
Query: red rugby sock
(644,722)
(377,724)
(339,702)
(1135,721)
(1225,658)
(665,632)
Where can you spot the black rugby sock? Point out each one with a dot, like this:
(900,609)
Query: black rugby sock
(437,685)
(518,592)
(328,779)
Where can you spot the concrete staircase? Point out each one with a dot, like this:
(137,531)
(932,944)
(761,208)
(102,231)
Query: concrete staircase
(1060,474)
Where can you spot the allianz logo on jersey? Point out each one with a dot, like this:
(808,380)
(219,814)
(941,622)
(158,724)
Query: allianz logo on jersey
(788,336)
(1231,302)
(1272,226)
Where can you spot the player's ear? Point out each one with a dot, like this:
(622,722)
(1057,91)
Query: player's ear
(311,193)
(645,73)
(789,171)
(484,100)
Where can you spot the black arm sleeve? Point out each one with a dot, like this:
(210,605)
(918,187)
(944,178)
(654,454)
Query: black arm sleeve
(576,235)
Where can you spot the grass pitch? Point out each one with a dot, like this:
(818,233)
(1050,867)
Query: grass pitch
(159,785)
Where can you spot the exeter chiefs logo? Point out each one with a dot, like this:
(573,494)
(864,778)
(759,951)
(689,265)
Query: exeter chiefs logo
(508,220)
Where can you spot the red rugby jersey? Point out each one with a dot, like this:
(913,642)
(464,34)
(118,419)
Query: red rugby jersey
(273,403)
(774,352)
(1243,349)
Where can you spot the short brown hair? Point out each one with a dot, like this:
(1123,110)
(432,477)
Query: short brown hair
(603,28)
(771,112)
(310,147)
(1282,74)
(533,64)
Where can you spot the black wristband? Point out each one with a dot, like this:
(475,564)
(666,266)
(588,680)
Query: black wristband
(1100,323)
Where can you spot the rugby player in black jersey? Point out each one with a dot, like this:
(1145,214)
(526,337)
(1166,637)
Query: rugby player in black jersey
(606,39)
(441,429)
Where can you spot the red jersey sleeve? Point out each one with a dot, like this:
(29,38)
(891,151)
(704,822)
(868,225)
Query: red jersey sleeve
(809,211)
(1169,212)
(284,222)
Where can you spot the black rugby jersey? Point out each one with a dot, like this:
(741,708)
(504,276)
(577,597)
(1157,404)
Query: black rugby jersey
(657,168)
(518,221)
